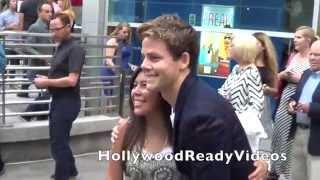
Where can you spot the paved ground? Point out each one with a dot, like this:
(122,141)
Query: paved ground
(90,168)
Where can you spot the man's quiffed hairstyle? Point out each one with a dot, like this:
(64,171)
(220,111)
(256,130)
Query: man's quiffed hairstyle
(64,18)
(178,36)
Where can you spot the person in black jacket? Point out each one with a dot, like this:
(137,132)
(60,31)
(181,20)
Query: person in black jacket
(204,121)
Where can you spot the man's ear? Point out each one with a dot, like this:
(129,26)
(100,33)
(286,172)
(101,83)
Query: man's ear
(184,60)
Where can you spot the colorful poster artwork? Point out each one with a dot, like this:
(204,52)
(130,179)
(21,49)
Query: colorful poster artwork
(214,54)
(214,46)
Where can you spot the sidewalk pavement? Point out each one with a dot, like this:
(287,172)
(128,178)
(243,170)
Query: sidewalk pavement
(89,167)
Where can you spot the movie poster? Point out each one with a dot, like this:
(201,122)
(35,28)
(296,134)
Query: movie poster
(214,46)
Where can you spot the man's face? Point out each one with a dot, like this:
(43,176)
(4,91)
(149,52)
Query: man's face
(46,12)
(13,5)
(160,68)
(59,30)
(314,56)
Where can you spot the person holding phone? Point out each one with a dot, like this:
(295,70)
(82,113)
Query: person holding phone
(282,138)
(305,108)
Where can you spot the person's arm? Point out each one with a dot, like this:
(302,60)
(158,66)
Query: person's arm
(76,60)
(21,12)
(224,89)
(21,21)
(2,24)
(255,91)
(110,52)
(68,81)
(271,90)
(114,169)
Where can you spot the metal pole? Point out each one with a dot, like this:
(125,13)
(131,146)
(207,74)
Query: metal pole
(3,90)
(122,91)
(3,100)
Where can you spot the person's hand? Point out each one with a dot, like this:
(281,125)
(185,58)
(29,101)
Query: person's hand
(304,108)
(114,133)
(293,76)
(12,26)
(266,89)
(41,76)
(260,173)
(41,81)
(284,75)
(115,129)
(108,62)
(292,107)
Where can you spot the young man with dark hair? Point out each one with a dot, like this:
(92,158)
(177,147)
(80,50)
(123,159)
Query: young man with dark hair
(204,121)
(63,85)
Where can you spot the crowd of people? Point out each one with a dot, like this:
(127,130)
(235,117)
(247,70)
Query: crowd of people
(236,117)
(172,111)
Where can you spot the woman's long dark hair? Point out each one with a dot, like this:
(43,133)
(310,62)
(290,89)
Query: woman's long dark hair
(136,131)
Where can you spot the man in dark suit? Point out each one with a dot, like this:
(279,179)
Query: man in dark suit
(305,106)
(204,121)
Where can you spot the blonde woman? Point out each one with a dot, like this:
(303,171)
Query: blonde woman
(243,87)
(283,133)
(66,8)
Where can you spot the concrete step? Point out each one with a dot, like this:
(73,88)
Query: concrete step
(88,165)
(29,141)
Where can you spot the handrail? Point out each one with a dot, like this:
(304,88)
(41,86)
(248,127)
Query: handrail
(91,83)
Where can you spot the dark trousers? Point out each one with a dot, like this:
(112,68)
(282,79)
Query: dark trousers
(1,163)
(64,110)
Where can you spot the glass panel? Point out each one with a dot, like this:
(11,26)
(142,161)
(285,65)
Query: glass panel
(297,13)
(274,15)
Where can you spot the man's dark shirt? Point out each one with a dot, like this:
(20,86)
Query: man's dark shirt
(68,58)
(30,13)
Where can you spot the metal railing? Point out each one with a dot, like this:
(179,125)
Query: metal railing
(20,55)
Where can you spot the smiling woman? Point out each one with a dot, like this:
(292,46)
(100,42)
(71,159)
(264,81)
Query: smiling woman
(147,132)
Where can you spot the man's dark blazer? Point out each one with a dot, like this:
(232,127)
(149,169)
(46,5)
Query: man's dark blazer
(206,123)
(314,114)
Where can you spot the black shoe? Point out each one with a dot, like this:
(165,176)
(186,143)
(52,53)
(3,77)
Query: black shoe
(70,176)
(2,169)
(27,118)
(23,94)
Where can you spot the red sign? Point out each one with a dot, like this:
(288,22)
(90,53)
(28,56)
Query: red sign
(76,2)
